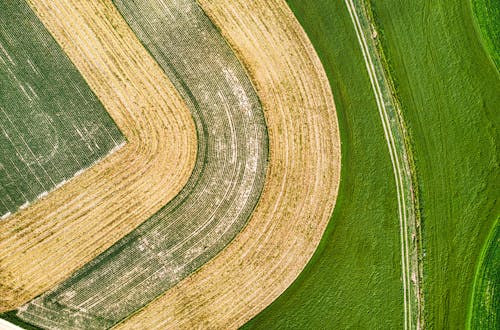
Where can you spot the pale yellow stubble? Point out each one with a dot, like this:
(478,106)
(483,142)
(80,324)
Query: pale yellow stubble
(301,184)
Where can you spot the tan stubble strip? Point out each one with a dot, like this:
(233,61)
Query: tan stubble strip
(43,244)
(302,180)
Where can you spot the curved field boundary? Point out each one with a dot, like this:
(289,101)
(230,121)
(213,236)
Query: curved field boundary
(217,200)
(43,244)
(438,63)
(486,17)
(301,184)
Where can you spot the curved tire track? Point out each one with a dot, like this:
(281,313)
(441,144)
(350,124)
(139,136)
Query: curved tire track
(399,160)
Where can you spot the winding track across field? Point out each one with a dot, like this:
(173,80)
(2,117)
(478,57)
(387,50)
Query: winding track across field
(301,184)
(400,165)
(43,244)
(217,200)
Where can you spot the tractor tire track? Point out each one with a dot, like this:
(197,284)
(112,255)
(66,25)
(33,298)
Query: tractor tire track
(399,159)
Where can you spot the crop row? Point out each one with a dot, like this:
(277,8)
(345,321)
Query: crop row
(46,242)
(301,183)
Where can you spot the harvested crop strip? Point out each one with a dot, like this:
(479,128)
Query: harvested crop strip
(301,184)
(45,243)
(217,200)
(51,124)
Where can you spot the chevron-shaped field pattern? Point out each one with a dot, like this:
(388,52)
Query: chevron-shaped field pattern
(176,164)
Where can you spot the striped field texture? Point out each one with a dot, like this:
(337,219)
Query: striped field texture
(484,311)
(216,202)
(52,126)
(45,243)
(301,183)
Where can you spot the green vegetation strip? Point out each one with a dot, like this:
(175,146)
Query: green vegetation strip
(216,202)
(449,95)
(52,126)
(485,305)
(487,13)
(396,137)
(12,318)
(354,278)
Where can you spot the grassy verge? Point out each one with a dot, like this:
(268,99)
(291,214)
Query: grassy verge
(449,92)
(487,14)
(353,280)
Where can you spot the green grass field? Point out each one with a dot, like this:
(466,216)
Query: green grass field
(51,123)
(449,90)
(353,279)
(487,14)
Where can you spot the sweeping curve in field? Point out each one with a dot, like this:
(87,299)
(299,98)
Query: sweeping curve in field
(217,200)
(301,184)
(43,244)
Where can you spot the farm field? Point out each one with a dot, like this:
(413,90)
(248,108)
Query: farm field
(448,88)
(215,203)
(222,205)
(300,187)
(61,128)
(485,305)
(301,154)
(358,259)
(46,242)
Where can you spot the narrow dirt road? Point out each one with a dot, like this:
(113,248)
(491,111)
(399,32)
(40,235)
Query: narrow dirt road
(399,158)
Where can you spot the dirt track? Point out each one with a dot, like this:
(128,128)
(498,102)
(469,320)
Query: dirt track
(45,243)
(301,183)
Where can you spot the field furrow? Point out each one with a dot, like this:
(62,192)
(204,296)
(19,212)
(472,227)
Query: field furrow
(43,244)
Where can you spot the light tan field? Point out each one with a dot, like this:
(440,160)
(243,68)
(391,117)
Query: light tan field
(301,184)
(43,244)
